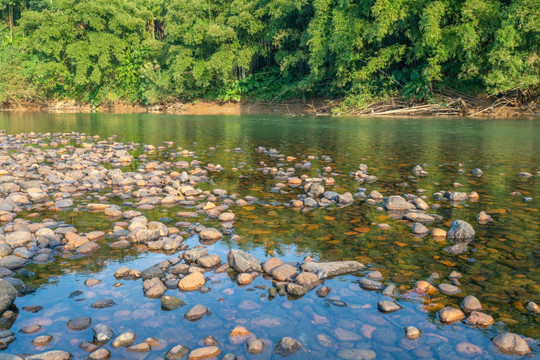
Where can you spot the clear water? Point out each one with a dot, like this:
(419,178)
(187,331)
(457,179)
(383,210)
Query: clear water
(501,267)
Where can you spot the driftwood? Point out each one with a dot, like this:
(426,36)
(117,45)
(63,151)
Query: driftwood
(451,103)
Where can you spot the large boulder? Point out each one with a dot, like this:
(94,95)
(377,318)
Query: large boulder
(243,262)
(460,232)
(332,268)
(8,293)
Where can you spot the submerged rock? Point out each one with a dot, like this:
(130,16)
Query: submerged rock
(177,352)
(287,346)
(512,344)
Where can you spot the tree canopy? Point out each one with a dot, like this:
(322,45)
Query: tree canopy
(156,51)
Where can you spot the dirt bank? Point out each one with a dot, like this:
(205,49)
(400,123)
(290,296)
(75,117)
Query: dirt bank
(455,106)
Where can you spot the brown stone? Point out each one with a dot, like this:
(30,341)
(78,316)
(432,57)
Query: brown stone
(284,272)
(438,233)
(307,279)
(42,340)
(244,279)
(139,348)
(425,287)
(271,264)
(450,315)
(193,281)
(480,319)
(204,353)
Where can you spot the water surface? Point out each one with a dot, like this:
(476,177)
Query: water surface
(501,266)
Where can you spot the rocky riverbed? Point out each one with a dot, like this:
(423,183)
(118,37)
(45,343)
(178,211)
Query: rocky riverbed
(201,293)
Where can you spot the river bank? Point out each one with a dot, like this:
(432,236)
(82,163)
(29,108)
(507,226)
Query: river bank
(452,105)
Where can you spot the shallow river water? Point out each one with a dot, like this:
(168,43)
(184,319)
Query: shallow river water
(501,266)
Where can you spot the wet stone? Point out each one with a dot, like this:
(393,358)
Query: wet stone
(207,352)
(369,284)
(51,355)
(209,261)
(480,319)
(177,352)
(99,354)
(193,281)
(332,268)
(102,333)
(123,340)
(388,306)
(42,340)
(139,348)
(169,302)
(80,323)
(307,279)
(323,291)
(8,293)
(254,346)
(512,344)
(271,264)
(471,303)
(450,315)
(296,290)
(243,262)
(284,272)
(389,290)
(287,346)
(104,303)
(30,329)
(244,279)
(412,333)
(460,231)
(449,289)
(195,313)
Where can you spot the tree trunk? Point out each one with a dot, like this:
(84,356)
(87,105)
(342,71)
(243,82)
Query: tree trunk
(11,22)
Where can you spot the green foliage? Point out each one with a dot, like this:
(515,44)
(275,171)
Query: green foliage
(158,51)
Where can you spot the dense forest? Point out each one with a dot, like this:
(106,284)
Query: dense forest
(157,51)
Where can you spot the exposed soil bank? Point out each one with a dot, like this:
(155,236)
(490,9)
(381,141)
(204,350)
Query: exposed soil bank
(315,107)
